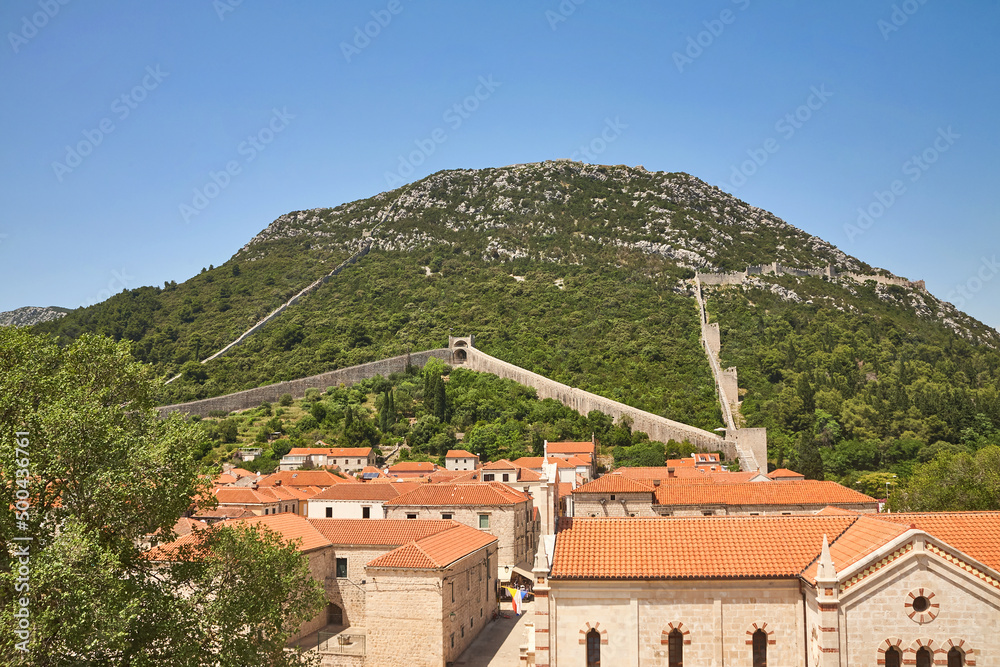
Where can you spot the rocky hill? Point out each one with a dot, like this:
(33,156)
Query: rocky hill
(31,315)
(583,273)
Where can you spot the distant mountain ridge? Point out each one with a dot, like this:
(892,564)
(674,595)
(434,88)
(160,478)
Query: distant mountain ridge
(31,315)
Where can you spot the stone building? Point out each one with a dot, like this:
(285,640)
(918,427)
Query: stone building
(709,494)
(349,459)
(488,506)
(356,501)
(839,590)
(459,459)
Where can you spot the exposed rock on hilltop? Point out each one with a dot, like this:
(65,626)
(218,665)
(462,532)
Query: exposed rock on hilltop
(31,315)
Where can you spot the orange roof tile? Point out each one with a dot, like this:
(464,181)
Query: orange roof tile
(977,534)
(615,483)
(585,447)
(687,474)
(290,527)
(448,495)
(680,463)
(785,473)
(320,478)
(808,492)
(502,464)
(378,532)
(362,452)
(436,551)
(535,462)
(459,454)
(365,491)
(244,495)
(413,466)
(700,547)
(372,470)
(864,536)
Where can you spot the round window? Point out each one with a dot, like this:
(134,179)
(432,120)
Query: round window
(920,604)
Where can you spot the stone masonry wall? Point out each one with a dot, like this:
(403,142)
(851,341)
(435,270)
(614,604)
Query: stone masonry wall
(658,428)
(624,504)
(251,398)
(510,524)
(632,618)
(410,620)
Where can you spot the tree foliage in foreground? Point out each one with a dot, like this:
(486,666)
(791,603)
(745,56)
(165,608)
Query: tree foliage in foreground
(103,471)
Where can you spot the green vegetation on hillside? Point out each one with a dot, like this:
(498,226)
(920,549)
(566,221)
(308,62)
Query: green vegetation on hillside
(427,412)
(853,383)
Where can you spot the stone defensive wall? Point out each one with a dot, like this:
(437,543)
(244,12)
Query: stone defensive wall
(295,299)
(775,269)
(658,428)
(251,398)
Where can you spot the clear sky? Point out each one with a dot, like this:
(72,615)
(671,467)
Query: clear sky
(144,141)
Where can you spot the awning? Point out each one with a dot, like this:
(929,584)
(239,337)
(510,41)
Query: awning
(521,568)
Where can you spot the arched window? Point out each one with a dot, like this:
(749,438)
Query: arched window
(675,648)
(760,649)
(893,658)
(593,648)
(955,657)
(924,657)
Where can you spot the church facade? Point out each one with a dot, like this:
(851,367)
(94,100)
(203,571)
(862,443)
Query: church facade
(836,589)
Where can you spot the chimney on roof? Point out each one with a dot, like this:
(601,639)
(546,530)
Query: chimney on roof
(277,482)
(670,472)
(254,486)
(656,482)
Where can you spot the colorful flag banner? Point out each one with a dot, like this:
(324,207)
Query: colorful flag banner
(516,598)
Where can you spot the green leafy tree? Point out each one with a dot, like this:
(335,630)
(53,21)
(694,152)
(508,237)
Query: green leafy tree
(953,482)
(102,471)
(809,462)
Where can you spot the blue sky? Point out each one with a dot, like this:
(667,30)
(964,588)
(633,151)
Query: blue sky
(144,141)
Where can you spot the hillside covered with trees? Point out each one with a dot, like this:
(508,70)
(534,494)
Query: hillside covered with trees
(583,273)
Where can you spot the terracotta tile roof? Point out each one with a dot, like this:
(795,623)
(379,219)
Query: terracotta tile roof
(564,489)
(320,478)
(976,534)
(830,510)
(378,532)
(680,463)
(535,462)
(185,526)
(726,477)
(365,491)
(698,547)
(585,447)
(808,492)
(244,495)
(688,474)
(459,454)
(453,476)
(242,472)
(413,466)
(449,495)
(344,451)
(502,464)
(785,473)
(436,551)
(224,479)
(528,475)
(864,536)
(615,483)
(290,527)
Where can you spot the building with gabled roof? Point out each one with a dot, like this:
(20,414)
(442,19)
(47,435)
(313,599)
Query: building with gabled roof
(459,459)
(349,459)
(407,469)
(826,590)
(318,478)
(356,501)
(492,507)
(627,494)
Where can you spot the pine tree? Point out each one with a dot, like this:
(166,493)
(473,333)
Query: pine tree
(809,462)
